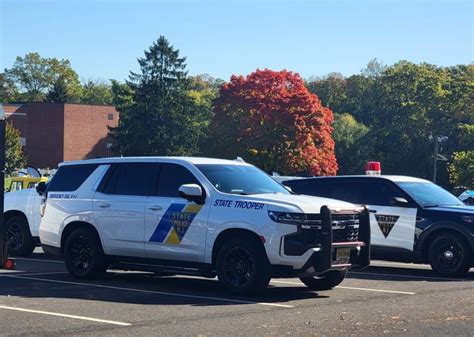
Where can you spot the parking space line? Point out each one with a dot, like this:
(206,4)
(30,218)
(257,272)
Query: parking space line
(33,274)
(409,276)
(65,315)
(378,290)
(38,260)
(356,288)
(218,299)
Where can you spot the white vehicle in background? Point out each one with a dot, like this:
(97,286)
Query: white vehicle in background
(199,216)
(22,219)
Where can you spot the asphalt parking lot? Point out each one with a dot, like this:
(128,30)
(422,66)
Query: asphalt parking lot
(40,298)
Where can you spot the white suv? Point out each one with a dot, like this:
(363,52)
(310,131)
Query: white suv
(198,216)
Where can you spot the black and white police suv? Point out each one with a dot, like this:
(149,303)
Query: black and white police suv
(198,216)
(411,219)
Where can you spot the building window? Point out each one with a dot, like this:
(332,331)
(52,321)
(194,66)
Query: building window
(110,117)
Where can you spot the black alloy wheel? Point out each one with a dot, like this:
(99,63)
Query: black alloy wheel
(14,236)
(243,266)
(239,267)
(18,236)
(83,254)
(449,255)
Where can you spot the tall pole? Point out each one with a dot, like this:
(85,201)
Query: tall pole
(435,165)
(2,184)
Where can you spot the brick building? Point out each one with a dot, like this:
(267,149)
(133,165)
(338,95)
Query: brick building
(56,132)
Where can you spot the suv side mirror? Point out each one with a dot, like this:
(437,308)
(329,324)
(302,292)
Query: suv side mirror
(41,188)
(401,202)
(192,192)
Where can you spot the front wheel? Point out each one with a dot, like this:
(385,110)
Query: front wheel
(325,281)
(83,254)
(449,255)
(18,236)
(243,267)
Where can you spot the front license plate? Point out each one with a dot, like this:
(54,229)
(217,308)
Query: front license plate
(343,254)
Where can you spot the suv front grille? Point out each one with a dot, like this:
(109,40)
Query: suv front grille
(345,228)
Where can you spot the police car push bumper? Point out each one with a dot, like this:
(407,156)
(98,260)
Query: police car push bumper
(338,239)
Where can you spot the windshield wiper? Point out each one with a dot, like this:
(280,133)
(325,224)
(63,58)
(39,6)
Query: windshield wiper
(430,206)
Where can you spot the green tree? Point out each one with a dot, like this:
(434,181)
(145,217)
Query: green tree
(35,76)
(203,90)
(461,169)
(96,92)
(8,90)
(58,92)
(350,144)
(162,119)
(14,157)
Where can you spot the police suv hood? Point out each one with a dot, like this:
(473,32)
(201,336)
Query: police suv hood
(464,209)
(297,203)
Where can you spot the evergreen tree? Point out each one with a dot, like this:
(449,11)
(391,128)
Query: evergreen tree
(14,157)
(162,119)
(58,92)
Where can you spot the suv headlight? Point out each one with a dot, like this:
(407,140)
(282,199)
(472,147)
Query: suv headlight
(285,217)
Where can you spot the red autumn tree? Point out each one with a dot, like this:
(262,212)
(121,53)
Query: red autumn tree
(271,119)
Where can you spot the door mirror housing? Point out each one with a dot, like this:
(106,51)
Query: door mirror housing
(41,188)
(192,192)
(400,202)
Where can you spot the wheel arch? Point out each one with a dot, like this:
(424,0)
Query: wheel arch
(232,233)
(437,229)
(12,213)
(71,227)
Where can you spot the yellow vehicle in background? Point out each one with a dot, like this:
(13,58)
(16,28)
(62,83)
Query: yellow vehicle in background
(22,182)
(25,178)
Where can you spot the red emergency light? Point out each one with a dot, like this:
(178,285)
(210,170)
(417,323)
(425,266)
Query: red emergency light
(373,168)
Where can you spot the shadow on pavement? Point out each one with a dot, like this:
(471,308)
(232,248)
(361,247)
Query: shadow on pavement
(396,273)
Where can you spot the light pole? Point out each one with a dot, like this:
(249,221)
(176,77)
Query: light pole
(438,140)
(2,187)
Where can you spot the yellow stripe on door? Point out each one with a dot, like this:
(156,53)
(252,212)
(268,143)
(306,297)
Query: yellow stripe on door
(173,237)
(192,208)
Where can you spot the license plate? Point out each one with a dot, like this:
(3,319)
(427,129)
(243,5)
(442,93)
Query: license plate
(343,254)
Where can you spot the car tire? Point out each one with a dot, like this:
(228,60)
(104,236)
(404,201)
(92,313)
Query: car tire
(243,266)
(17,233)
(325,281)
(449,255)
(83,254)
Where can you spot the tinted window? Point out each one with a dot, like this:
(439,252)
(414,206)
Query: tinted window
(172,176)
(131,179)
(70,177)
(328,188)
(343,190)
(379,193)
(308,187)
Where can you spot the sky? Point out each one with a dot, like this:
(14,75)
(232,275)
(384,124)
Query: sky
(104,38)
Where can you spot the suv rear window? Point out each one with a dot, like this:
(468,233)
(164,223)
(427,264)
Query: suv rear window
(70,177)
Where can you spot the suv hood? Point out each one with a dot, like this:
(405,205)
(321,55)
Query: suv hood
(297,203)
(464,209)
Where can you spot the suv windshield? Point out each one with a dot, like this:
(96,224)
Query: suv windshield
(240,179)
(428,194)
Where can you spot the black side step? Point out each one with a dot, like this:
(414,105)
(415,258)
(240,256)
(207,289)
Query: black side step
(154,268)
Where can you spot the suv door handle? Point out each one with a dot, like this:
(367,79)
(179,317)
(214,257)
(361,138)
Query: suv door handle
(104,205)
(155,208)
